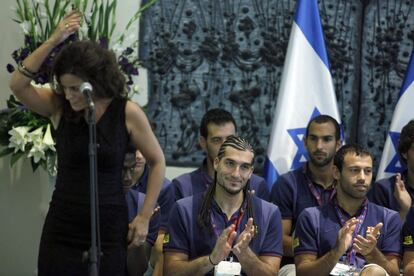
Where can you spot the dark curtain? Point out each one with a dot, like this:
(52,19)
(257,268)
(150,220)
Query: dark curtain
(230,54)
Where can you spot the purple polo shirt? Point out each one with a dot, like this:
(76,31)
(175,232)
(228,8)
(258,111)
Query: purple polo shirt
(198,181)
(317,229)
(135,201)
(291,193)
(187,237)
(408,231)
(382,192)
(165,199)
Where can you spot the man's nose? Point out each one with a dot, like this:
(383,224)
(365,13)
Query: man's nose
(236,171)
(127,175)
(362,175)
(319,143)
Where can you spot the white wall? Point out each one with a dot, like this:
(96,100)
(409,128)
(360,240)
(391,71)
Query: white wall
(24,195)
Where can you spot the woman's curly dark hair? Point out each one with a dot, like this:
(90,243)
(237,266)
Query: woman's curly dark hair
(92,63)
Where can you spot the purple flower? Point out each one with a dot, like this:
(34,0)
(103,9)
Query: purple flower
(128,51)
(10,68)
(103,41)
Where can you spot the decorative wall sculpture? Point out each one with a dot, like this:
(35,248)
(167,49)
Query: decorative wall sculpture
(207,53)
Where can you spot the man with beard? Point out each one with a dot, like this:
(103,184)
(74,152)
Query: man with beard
(349,234)
(216,125)
(227,229)
(311,185)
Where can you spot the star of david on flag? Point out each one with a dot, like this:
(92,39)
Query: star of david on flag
(390,159)
(298,136)
(306,90)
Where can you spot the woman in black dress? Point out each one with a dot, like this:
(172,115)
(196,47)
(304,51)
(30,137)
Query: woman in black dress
(66,232)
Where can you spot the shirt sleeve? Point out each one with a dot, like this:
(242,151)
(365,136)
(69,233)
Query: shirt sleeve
(153,228)
(166,201)
(305,237)
(408,231)
(273,245)
(282,195)
(391,240)
(178,234)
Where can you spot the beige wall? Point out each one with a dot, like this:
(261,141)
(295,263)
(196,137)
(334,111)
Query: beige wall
(24,195)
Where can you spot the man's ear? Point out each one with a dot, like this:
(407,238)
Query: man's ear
(216,163)
(338,144)
(202,142)
(336,173)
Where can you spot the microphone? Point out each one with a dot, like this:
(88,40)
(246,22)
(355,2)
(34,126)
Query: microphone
(86,89)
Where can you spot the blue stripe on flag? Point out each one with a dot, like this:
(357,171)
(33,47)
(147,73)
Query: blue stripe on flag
(306,59)
(391,162)
(308,19)
(270,173)
(409,75)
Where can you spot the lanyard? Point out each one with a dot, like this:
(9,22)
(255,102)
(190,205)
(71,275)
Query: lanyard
(351,255)
(236,222)
(315,192)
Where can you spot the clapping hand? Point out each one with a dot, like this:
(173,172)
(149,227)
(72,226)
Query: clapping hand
(364,246)
(244,238)
(223,245)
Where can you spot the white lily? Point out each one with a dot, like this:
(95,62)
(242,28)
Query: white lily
(36,135)
(26,27)
(48,139)
(37,152)
(19,138)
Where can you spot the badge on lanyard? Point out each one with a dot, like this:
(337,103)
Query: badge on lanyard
(226,268)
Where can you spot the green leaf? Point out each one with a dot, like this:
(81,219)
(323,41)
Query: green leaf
(34,165)
(6,151)
(15,157)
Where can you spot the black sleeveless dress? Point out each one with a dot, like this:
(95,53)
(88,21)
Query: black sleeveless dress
(66,232)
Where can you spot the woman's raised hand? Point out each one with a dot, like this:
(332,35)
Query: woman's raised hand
(68,25)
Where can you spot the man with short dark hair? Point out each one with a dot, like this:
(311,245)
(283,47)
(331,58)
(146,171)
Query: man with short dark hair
(216,125)
(311,185)
(138,257)
(227,228)
(135,178)
(349,231)
(397,191)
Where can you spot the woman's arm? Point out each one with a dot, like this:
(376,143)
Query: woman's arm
(145,141)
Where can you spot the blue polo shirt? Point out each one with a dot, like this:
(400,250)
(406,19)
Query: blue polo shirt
(291,193)
(187,237)
(165,199)
(382,192)
(198,181)
(408,231)
(135,201)
(317,230)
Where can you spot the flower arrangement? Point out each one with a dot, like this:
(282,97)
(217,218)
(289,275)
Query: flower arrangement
(26,134)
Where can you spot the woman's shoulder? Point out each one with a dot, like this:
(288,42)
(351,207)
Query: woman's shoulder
(132,109)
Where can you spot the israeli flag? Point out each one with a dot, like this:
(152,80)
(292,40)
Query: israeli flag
(306,90)
(403,113)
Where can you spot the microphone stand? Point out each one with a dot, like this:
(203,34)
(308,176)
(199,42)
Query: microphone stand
(93,255)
